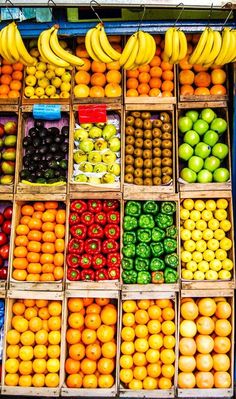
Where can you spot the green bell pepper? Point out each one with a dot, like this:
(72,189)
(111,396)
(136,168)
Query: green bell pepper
(129,250)
(127,264)
(157,264)
(172,232)
(158,234)
(170,275)
(150,207)
(157,278)
(129,277)
(129,237)
(168,207)
(144,235)
(130,223)
(163,221)
(172,260)
(133,208)
(143,250)
(144,278)
(157,249)
(141,264)
(170,245)
(146,222)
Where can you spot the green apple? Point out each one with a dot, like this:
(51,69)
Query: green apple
(100,168)
(109,131)
(81,178)
(192,114)
(200,126)
(94,157)
(100,144)
(114,144)
(80,134)
(95,132)
(114,168)
(109,157)
(188,175)
(86,145)
(86,167)
(108,178)
(80,156)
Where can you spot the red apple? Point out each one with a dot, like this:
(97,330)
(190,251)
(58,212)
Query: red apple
(1,130)
(10,127)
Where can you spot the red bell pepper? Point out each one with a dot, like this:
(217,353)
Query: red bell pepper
(87,275)
(113,273)
(92,246)
(74,218)
(112,231)
(4,251)
(113,259)
(99,261)
(7,213)
(79,231)
(87,218)
(1,218)
(76,246)
(6,227)
(3,273)
(100,218)
(94,205)
(113,217)
(85,261)
(101,274)
(109,246)
(72,260)
(110,205)
(95,231)
(73,274)
(78,206)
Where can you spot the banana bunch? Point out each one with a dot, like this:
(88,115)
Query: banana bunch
(12,48)
(215,48)
(98,45)
(176,45)
(52,51)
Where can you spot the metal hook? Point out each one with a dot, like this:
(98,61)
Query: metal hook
(50,8)
(141,19)
(210,14)
(8,9)
(99,5)
(181,12)
(229,15)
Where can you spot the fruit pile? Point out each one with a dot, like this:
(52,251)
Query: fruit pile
(91,343)
(97,152)
(206,246)
(205,341)
(11,77)
(2,317)
(39,242)
(203,147)
(33,344)
(8,138)
(5,231)
(149,243)
(94,246)
(148,148)
(45,151)
(148,344)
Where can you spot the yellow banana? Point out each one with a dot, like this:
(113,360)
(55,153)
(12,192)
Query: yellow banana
(132,58)
(142,49)
(106,46)
(215,49)
(25,57)
(169,42)
(128,49)
(224,47)
(61,53)
(96,46)
(234,55)
(46,51)
(175,47)
(5,53)
(88,45)
(231,50)
(183,45)
(199,48)
(11,41)
(207,49)
(152,51)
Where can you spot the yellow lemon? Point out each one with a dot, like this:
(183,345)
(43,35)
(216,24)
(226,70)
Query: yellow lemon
(198,275)
(189,245)
(129,306)
(187,274)
(185,234)
(215,265)
(219,234)
(208,255)
(188,204)
(222,203)
(207,215)
(195,215)
(210,205)
(189,224)
(211,275)
(207,234)
(225,225)
(224,275)
(226,244)
(213,244)
(186,256)
(192,266)
(201,246)
(197,256)
(221,254)
(199,205)
(221,214)
(227,264)
(196,235)
(201,225)
(184,214)
(213,224)
(203,266)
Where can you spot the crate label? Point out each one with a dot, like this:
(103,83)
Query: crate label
(49,112)
(94,113)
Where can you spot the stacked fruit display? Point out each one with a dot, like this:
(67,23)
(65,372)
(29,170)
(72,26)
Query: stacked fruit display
(11,77)
(205,341)
(203,147)
(149,243)
(33,344)
(8,138)
(91,343)
(39,242)
(148,148)
(45,151)
(97,152)
(94,246)
(206,240)
(148,344)
(5,231)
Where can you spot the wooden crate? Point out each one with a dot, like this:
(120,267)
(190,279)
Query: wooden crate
(146,288)
(213,392)
(24,124)
(181,187)
(144,393)
(86,392)
(130,190)
(32,391)
(209,284)
(93,285)
(78,187)
(6,201)
(20,200)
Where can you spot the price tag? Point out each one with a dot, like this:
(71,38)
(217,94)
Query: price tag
(49,112)
(94,113)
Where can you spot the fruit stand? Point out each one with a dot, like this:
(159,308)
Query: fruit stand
(117,173)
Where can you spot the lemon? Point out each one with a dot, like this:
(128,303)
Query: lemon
(210,205)
(188,204)
(187,274)
(189,245)
(197,256)
(221,254)
(225,275)
(227,264)
(189,224)
(195,215)
(222,203)
(219,234)
(213,224)
(207,215)
(221,214)
(213,244)
(208,255)
(201,225)
(186,256)
(201,245)
(192,266)
(226,244)
(203,266)
(198,275)
(185,234)
(225,225)
(211,275)
(207,234)
(215,265)
(196,235)
(184,214)
(199,205)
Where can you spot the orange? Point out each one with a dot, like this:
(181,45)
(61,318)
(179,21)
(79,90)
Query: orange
(34,268)
(109,315)
(40,351)
(132,83)
(18,66)
(96,92)
(48,226)
(13,94)
(113,90)
(73,336)
(168,370)
(135,385)
(167,75)
(167,356)
(106,366)
(126,361)
(77,351)
(92,321)
(12,379)
(105,381)
(144,77)
(17,75)
(152,355)
(90,381)
(54,351)
(167,85)
(128,334)
(154,370)
(139,359)
(207,306)
(168,314)
(204,379)
(27,210)
(22,229)
(98,66)
(155,341)
(7,69)
(54,323)
(33,257)
(154,312)
(166,66)
(186,380)
(41,337)
(132,74)
(27,338)
(88,336)
(26,367)
(52,380)
(164,383)
(44,313)
(113,76)
(205,343)
(12,351)
(115,65)
(156,61)
(141,316)
(25,381)
(189,310)
(218,76)
(186,90)
(169,341)
(39,365)
(140,372)
(222,344)
(93,308)
(223,327)
(150,383)
(35,324)
(82,77)
(202,91)
(54,337)
(202,79)
(98,301)
(144,68)
(164,303)
(5,79)
(143,88)
(19,275)
(222,379)
(187,364)
(88,366)
(141,331)
(20,323)
(54,308)
(4,89)
(221,362)
(204,362)
(38,380)
(109,350)
(58,260)
(18,308)
(74,381)
(218,90)
(186,77)
(184,63)
(98,79)
(21,241)
(93,351)
(200,68)
(53,365)
(29,302)
(205,325)
(141,345)
(132,93)
(168,327)
(223,310)
(11,366)
(105,333)
(15,85)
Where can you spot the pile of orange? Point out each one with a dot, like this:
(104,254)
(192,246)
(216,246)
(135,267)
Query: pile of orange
(153,80)
(39,242)
(198,80)
(11,77)
(91,341)
(33,344)
(148,344)
(97,79)
(205,342)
